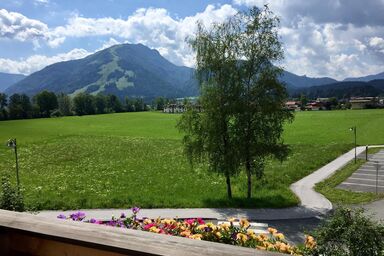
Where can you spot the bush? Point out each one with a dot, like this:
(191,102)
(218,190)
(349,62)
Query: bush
(349,232)
(56,113)
(10,198)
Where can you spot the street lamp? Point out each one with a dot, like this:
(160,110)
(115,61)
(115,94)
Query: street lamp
(354,131)
(11,143)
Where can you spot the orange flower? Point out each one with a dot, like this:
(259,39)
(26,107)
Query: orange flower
(279,236)
(231,220)
(244,223)
(272,230)
(147,221)
(310,242)
(196,236)
(241,237)
(185,233)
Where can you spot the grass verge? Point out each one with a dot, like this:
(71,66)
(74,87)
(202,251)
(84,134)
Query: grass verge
(341,196)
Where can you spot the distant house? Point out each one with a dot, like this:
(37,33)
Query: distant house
(181,105)
(315,105)
(363,102)
(293,105)
(174,108)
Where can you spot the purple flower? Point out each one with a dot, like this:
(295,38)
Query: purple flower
(92,220)
(135,210)
(207,229)
(61,216)
(122,216)
(77,216)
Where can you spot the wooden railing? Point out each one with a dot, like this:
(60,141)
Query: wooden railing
(26,234)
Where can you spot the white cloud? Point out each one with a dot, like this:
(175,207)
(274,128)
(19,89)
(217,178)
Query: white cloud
(41,2)
(376,42)
(321,37)
(153,27)
(14,25)
(37,62)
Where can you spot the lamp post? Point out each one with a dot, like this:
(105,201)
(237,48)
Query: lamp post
(354,131)
(12,144)
(377,176)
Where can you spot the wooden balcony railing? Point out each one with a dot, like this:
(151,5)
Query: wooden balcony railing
(26,234)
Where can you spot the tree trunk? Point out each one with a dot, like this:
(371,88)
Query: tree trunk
(249,179)
(229,189)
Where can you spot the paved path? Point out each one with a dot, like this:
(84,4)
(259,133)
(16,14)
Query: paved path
(312,204)
(364,179)
(376,209)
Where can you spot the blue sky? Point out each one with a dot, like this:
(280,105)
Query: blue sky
(336,38)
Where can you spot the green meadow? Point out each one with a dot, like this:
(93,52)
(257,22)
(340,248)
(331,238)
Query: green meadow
(127,159)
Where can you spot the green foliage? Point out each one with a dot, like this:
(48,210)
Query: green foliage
(241,96)
(19,106)
(47,102)
(83,104)
(64,104)
(349,232)
(159,103)
(10,198)
(341,196)
(3,104)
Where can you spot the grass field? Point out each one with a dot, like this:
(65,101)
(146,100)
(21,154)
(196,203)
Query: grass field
(120,160)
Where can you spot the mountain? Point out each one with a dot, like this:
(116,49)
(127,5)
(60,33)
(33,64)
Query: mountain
(366,78)
(345,89)
(135,70)
(6,80)
(131,70)
(295,82)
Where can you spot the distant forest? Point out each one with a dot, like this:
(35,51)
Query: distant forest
(342,90)
(48,104)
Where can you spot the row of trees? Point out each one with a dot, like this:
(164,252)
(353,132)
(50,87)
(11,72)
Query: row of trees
(47,104)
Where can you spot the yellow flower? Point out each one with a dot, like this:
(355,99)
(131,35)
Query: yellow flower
(154,229)
(279,236)
(201,227)
(218,235)
(244,223)
(147,221)
(196,236)
(241,237)
(185,233)
(272,230)
(225,226)
(231,220)
(310,242)
(281,247)
(262,237)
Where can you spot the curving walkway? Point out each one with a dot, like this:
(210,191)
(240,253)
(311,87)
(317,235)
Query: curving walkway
(312,205)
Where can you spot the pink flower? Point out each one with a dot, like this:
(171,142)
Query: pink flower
(190,221)
(200,221)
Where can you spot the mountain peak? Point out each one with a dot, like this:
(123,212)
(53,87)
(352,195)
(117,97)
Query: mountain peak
(132,70)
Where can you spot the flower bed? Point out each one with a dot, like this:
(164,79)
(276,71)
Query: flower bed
(227,233)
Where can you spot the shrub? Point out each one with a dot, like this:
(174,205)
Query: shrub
(10,197)
(349,232)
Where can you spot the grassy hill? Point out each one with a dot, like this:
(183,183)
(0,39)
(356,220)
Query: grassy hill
(132,70)
(120,160)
